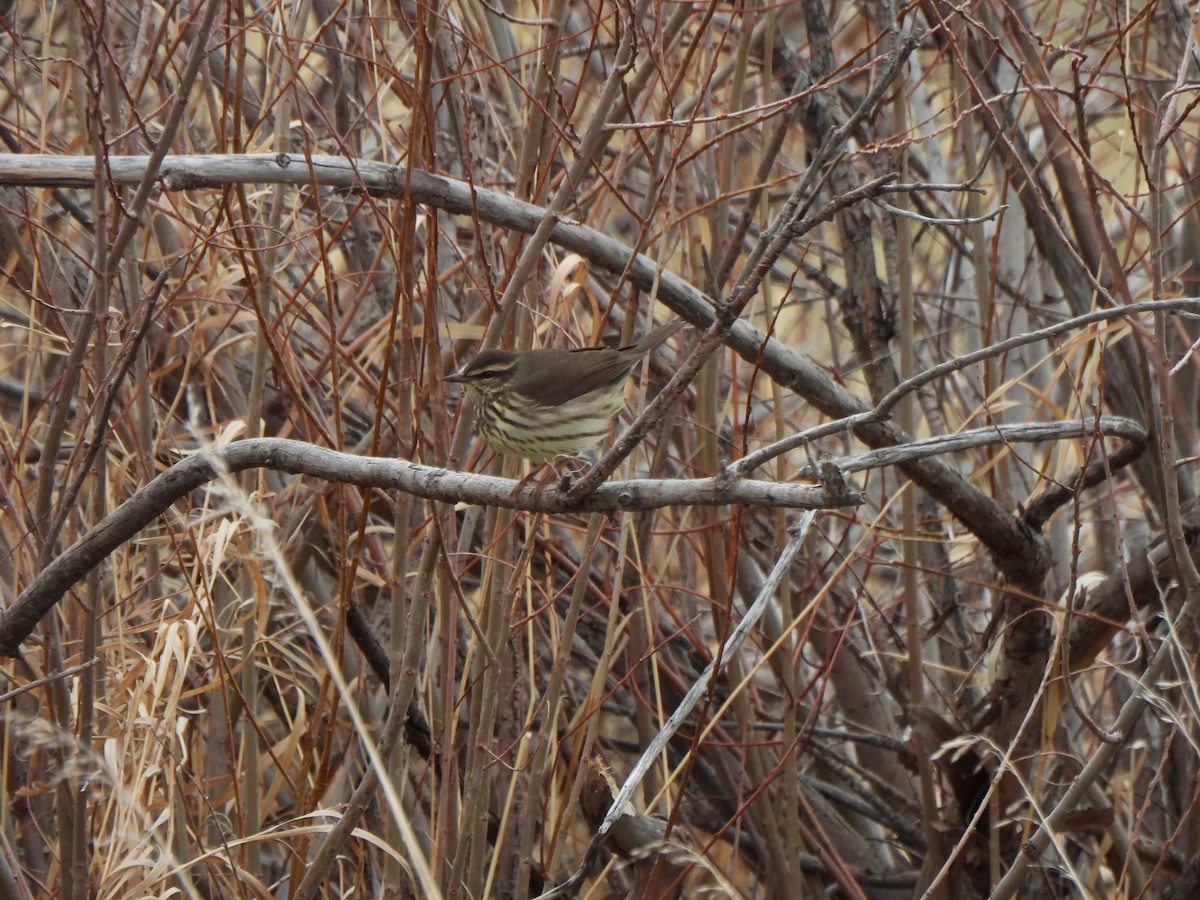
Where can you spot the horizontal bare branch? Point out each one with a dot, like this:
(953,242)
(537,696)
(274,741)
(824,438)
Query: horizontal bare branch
(1019,433)
(299,458)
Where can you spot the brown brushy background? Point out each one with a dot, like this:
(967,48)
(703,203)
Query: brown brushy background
(903,718)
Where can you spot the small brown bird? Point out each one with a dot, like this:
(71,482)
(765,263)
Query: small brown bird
(542,404)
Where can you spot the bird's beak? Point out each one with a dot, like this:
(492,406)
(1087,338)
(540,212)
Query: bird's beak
(456,378)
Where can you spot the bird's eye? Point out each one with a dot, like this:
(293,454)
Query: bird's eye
(488,374)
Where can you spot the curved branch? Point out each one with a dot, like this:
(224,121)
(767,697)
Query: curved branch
(299,458)
(1017,433)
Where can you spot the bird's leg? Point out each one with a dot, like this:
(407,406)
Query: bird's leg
(547,472)
(536,473)
(575,466)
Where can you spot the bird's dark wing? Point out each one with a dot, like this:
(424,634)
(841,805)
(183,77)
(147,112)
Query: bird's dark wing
(559,380)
